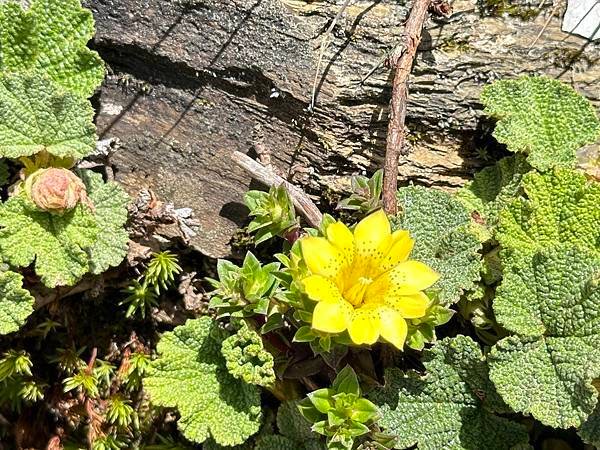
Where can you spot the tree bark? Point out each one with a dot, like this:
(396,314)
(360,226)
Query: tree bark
(191,81)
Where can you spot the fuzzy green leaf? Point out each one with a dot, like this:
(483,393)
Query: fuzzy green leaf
(451,407)
(590,429)
(494,187)
(247,359)
(551,302)
(542,117)
(57,243)
(444,238)
(50,37)
(3,173)
(190,374)
(37,115)
(561,207)
(292,424)
(110,208)
(16,303)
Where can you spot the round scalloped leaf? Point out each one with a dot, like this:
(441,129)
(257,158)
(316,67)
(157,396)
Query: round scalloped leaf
(110,209)
(51,38)
(451,407)
(444,238)
(16,303)
(494,187)
(57,243)
(541,117)
(551,301)
(561,206)
(38,115)
(190,374)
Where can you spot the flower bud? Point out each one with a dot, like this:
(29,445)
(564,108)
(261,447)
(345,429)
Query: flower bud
(55,190)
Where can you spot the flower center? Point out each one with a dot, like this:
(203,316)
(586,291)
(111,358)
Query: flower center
(356,292)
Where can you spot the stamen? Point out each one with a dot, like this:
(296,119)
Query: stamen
(357,291)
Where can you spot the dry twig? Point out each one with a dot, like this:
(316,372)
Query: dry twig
(402,61)
(304,205)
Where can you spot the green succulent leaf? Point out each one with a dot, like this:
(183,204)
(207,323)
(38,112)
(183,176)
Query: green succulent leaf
(51,37)
(247,359)
(190,374)
(561,206)
(37,115)
(56,243)
(110,209)
(494,188)
(551,302)
(451,407)
(445,238)
(543,118)
(16,303)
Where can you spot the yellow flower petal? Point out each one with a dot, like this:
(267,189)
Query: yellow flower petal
(343,239)
(321,289)
(393,327)
(399,251)
(321,257)
(372,237)
(409,277)
(409,306)
(364,328)
(332,317)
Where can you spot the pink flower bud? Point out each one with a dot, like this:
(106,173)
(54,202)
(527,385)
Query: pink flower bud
(55,190)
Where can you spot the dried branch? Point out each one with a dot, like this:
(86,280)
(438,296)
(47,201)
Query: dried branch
(304,205)
(402,61)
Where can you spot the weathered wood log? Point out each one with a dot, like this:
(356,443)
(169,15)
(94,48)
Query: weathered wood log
(191,81)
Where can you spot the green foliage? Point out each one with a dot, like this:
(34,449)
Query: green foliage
(188,374)
(137,367)
(16,383)
(36,115)
(246,290)
(141,298)
(542,117)
(14,363)
(120,412)
(110,211)
(449,408)
(247,359)
(16,303)
(340,412)
(366,194)
(550,301)
(50,37)
(561,207)
(494,187)
(57,243)
(162,269)
(445,238)
(83,381)
(421,331)
(273,213)
(590,429)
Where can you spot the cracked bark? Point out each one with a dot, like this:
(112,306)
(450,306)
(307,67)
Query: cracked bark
(191,81)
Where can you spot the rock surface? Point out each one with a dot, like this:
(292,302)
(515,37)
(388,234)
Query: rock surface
(192,80)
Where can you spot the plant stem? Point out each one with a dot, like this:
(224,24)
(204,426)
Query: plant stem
(401,59)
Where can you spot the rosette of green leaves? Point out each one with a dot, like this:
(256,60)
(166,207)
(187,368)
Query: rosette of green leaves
(340,412)
(366,194)
(246,290)
(273,213)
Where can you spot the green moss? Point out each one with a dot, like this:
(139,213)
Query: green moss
(496,8)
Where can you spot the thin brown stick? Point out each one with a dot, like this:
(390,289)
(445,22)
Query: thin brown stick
(304,205)
(402,61)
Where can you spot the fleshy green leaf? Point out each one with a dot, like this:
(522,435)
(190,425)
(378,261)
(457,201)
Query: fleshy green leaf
(110,209)
(16,303)
(190,374)
(247,359)
(551,302)
(494,187)
(561,207)
(541,117)
(451,407)
(444,238)
(56,243)
(51,37)
(38,115)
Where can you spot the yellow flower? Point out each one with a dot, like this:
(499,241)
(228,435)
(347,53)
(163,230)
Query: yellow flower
(364,282)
